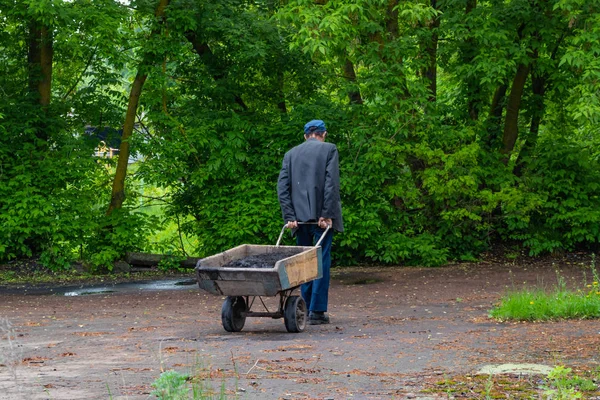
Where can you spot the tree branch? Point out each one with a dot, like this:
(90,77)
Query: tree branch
(511,124)
(87,65)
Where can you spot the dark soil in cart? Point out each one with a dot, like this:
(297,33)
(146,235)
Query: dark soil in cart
(266,260)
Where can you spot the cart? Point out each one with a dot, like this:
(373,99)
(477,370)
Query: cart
(243,286)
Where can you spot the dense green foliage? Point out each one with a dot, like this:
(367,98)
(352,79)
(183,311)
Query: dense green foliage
(460,124)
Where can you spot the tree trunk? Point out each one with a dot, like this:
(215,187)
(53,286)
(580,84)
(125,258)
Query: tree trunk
(118,188)
(34,56)
(539,85)
(493,123)
(473,87)
(539,89)
(430,48)
(389,34)
(40,57)
(511,122)
(497,107)
(353,95)
(391,20)
(207,56)
(47,54)
(281,100)
(471,4)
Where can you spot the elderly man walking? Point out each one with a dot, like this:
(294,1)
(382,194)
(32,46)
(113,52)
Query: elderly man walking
(308,189)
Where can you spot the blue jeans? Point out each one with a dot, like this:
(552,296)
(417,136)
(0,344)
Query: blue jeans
(316,293)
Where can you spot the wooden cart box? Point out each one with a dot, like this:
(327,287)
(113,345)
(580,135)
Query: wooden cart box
(287,273)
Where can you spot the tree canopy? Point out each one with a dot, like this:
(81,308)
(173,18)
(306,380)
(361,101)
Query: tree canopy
(460,124)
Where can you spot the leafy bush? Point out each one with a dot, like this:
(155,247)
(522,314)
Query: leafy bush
(561,384)
(557,204)
(114,235)
(47,197)
(171,385)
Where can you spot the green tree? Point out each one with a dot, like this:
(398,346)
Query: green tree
(459,123)
(60,75)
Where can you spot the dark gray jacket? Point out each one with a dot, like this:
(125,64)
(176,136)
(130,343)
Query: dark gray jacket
(309,184)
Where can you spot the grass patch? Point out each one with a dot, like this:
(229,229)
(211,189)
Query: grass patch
(485,387)
(561,384)
(559,303)
(199,385)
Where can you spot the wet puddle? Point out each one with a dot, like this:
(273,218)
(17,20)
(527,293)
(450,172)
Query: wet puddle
(85,292)
(131,287)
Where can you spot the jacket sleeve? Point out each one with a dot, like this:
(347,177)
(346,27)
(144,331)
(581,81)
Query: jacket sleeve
(331,193)
(284,191)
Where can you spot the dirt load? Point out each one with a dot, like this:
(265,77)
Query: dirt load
(266,260)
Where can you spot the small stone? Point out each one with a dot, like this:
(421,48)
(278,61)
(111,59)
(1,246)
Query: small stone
(515,369)
(121,267)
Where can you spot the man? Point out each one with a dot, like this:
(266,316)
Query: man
(309,192)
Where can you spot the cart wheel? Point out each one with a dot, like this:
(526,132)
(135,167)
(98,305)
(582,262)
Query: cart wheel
(294,314)
(233,313)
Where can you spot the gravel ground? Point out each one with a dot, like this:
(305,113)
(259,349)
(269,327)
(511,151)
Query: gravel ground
(394,332)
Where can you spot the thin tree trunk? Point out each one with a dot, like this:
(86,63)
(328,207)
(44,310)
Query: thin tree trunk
(430,48)
(473,86)
(39,77)
(353,95)
(389,34)
(40,57)
(281,103)
(511,122)
(511,119)
(34,56)
(471,4)
(493,125)
(47,55)
(539,89)
(497,106)
(118,188)
(494,120)
(207,56)
(391,20)
(539,85)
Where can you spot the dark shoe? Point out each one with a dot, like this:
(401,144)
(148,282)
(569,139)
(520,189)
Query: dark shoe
(317,318)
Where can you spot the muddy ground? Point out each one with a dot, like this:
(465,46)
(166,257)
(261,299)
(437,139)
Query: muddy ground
(395,333)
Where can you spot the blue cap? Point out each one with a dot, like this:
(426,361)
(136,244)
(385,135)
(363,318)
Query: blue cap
(314,126)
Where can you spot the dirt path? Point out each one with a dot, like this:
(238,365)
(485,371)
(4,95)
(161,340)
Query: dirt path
(393,331)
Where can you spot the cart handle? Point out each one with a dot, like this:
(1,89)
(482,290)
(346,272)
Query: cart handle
(304,223)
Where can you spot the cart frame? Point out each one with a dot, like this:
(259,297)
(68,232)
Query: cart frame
(243,286)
